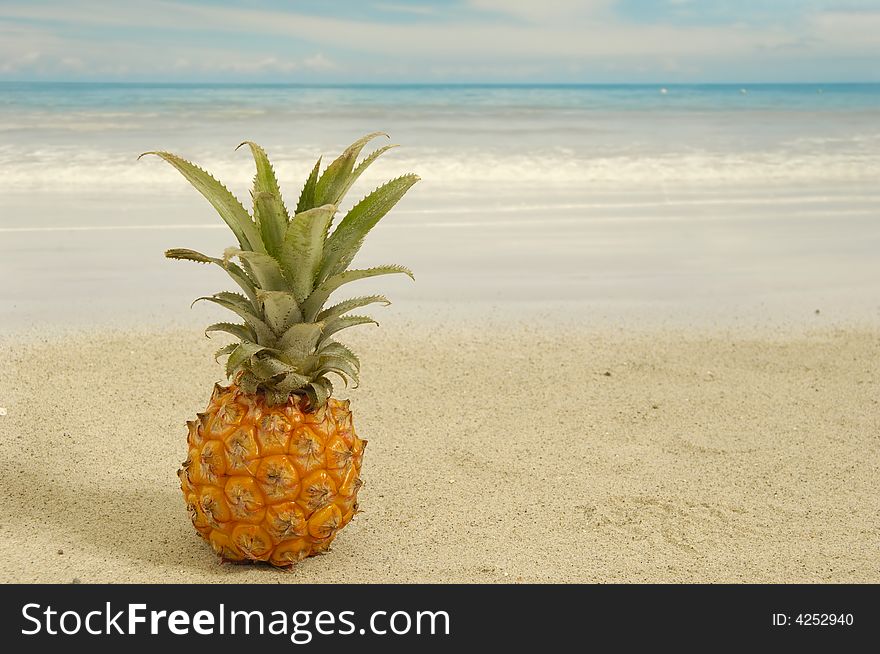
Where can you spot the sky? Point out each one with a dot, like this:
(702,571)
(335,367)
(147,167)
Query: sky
(435,41)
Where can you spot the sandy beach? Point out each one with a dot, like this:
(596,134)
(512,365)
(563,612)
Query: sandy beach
(643,343)
(518,454)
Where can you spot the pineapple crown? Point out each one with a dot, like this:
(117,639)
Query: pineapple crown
(288,266)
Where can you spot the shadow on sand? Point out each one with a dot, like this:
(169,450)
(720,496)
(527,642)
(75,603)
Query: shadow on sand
(146,525)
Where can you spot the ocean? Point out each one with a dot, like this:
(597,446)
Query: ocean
(78,136)
(697,199)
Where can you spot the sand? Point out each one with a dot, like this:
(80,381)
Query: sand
(533,455)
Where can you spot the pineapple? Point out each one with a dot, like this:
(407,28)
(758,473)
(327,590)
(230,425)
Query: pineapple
(273,465)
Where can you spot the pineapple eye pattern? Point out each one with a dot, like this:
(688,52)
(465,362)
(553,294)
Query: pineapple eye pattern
(255,543)
(237,451)
(228,415)
(275,426)
(212,463)
(252,505)
(214,509)
(278,478)
(194,435)
(274,434)
(245,500)
(285,521)
(291,552)
(191,510)
(339,455)
(184,473)
(224,547)
(318,491)
(307,448)
(241,451)
(326,522)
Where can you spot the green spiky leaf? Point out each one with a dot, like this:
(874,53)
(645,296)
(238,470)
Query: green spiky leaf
(334,182)
(243,352)
(339,350)
(183,254)
(272,220)
(248,383)
(347,238)
(303,248)
(340,367)
(363,165)
(267,367)
(288,267)
(238,275)
(241,332)
(292,381)
(319,296)
(307,195)
(348,305)
(226,204)
(270,213)
(265,180)
(318,392)
(240,305)
(335,357)
(226,349)
(300,340)
(265,269)
(279,310)
(344,322)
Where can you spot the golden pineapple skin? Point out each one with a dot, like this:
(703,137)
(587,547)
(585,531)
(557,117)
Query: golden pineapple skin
(270,483)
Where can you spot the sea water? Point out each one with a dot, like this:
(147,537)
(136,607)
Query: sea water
(82,136)
(682,196)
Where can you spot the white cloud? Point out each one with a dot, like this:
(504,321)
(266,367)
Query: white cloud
(543,11)
(478,72)
(526,38)
(13,64)
(319,62)
(38,51)
(222,62)
(72,63)
(468,40)
(853,30)
(418,10)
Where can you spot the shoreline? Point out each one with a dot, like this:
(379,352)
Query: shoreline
(792,316)
(596,454)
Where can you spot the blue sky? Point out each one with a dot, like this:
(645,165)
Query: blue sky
(441,41)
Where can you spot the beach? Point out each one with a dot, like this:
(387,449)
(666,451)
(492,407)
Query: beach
(643,343)
(518,455)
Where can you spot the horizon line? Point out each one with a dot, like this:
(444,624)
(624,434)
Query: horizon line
(417,84)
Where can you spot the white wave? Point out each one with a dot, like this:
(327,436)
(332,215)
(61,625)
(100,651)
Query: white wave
(97,170)
(105,228)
